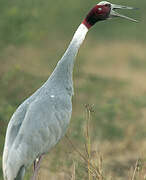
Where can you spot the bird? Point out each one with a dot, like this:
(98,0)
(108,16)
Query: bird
(42,120)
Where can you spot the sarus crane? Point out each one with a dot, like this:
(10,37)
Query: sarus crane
(42,119)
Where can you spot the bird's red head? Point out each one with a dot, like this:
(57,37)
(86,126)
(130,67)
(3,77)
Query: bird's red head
(97,13)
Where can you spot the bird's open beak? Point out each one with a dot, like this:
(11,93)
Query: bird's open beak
(116,14)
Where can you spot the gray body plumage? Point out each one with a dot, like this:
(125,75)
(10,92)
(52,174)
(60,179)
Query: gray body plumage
(42,119)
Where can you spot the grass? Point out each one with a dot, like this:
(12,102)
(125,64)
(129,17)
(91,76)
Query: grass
(92,160)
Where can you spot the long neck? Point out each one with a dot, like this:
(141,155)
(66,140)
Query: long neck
(63,71)
(68,58)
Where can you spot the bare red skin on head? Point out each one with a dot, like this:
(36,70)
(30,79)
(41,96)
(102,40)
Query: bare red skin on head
(97,13)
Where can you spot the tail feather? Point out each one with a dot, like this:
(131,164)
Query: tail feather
(13,168)
(21,173)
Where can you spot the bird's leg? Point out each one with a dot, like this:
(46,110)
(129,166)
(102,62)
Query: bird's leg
(36,167)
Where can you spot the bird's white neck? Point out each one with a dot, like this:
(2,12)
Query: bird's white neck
(75,44)
(63,71)
(72,50)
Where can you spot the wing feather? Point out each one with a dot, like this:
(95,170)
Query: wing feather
(45,122)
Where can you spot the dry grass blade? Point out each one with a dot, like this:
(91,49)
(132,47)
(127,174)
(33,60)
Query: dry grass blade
(135,169)
(88,149)
(84,158)
(92,168)
(100,168)
(73,172)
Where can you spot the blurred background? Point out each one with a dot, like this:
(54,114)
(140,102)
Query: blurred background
(109,75)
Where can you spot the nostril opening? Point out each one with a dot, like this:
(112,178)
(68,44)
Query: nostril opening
(107,5)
